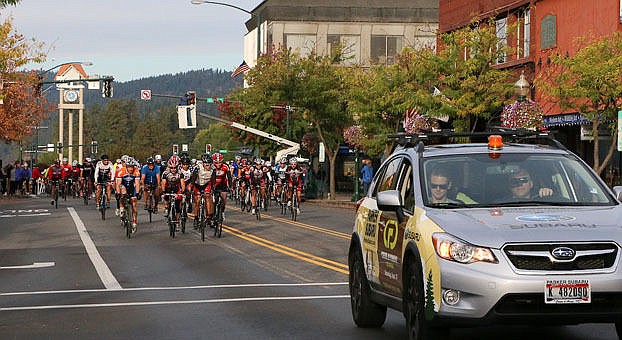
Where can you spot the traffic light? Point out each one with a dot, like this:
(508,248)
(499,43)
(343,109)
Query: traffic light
(60,147)
(175,149)
(94,147)
(208,148)
(192,96)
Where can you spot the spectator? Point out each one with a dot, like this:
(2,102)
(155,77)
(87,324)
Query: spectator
(25,180)
(12,174)
(367,174)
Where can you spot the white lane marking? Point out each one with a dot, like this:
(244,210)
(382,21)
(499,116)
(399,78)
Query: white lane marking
(176,302)
(31,266)
(179,288)
(27,215)
(108,279)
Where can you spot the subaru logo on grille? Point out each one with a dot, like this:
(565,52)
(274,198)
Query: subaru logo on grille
(563,253)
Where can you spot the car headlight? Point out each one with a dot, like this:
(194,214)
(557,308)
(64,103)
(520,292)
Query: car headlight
(453,249)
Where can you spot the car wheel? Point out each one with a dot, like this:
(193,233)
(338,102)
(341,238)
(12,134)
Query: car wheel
(414,305)
(365,312)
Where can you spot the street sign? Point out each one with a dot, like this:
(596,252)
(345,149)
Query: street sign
(184,148)
(322,153)
(50,147)
(222,151)
(145,94)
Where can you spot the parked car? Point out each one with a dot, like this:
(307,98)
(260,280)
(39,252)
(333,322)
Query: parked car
(526,232)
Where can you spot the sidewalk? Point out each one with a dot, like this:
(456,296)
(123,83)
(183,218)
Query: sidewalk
(342,200)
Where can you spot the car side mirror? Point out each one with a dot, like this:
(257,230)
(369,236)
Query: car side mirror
(391,200)
(617,190)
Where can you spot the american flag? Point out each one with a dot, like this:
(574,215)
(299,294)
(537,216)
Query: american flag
(240,69)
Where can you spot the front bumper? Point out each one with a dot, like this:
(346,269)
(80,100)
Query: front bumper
(494,293)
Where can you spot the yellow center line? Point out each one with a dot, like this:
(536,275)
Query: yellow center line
(326,263)
(308,226)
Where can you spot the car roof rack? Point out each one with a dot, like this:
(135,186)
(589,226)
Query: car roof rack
(448,136)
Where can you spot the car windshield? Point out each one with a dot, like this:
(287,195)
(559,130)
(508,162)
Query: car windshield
(512,179)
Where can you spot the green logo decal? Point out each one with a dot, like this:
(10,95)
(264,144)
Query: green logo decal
(390,234)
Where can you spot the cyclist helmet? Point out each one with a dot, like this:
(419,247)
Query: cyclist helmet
(104,157)
(293,160)
(244,161)
(238,158)
(87,159)
(217,157)
(74,163)
(284,160)
(173,162)
(158,157)
(150,161)
(205,157)
(57,161)
(65,160)
(258,161)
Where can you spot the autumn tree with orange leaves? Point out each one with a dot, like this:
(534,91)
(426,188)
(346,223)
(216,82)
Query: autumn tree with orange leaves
(22,107)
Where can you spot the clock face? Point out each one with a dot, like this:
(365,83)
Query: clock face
(71,96)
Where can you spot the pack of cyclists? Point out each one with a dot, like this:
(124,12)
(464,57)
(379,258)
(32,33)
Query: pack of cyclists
(179,179)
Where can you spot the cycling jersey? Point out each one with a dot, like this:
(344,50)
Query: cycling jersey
(201,178)
(222,177)
(55,172)
(66,170)
(281,172)
(258,176)
(294,177)
(173,181)
(75,172)
(150,174)
(103,173)
(88,171)
(235,167)
(185,173)
(128,179)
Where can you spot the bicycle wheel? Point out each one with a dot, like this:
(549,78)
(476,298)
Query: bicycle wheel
(150,205)
(86,196)
(217,218)
(171,217)
(294,207)
(202,220)
(127,219)
(56,198)
(102,204)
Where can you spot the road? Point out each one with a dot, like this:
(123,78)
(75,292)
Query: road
(67,274)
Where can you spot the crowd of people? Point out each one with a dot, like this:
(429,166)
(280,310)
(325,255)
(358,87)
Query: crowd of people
(172,180)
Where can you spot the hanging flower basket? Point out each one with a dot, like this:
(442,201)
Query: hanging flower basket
(525,114)
(353,135)
(414,122)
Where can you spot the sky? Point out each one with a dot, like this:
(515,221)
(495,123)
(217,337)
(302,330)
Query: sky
(133,39)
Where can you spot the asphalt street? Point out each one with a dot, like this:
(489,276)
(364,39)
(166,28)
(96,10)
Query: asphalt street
(67,274)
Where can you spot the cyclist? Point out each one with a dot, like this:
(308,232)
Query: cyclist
(159,163)
(87,176)
(76,171)
(150,181)
(66,174)
(128,183)
(294,181)
(221,179)
(280,171)
(201,181)
(186,173)
(104,176)
(244,173)
(258,179)
(54,175)
(172,184)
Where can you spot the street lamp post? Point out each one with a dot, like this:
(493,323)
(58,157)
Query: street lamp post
(85,63)
(257,18)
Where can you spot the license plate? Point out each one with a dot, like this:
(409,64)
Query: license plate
(567,291)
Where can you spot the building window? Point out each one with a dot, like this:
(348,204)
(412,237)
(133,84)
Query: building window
(524,33)
(350,46)
(301,43)
(384,48)
(502,38)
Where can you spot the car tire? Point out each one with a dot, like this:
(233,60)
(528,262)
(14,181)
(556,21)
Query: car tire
(365,312)
(414,305)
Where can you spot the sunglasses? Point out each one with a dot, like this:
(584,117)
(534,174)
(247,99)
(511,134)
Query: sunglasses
(518,181)
(439,186)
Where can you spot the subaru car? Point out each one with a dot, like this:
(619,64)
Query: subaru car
(513,228)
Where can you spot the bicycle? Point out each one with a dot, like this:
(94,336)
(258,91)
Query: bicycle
(283,199)
(103,200)
(126,214)
(219,207)
(202,214)
(295,205)
(54,189)
(172,214)
(257,205)
(85,192)
(150,192)
(246,200)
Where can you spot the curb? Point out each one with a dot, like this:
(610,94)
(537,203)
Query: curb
(334,204)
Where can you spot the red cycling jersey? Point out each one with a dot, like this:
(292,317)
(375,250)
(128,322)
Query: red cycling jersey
(220,176)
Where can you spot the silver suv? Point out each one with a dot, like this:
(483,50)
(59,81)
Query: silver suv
(516,229)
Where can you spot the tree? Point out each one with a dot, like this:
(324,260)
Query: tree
(472,87)
(22,108)
(590,83)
